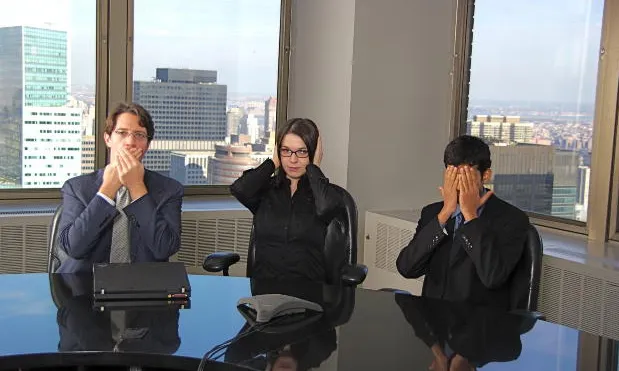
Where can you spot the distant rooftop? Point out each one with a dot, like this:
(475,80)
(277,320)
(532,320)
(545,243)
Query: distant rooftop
(186,75)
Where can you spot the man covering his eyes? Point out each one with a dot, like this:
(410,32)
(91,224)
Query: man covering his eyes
(469,244)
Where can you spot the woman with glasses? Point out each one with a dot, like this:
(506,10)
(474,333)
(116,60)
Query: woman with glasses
(292,203)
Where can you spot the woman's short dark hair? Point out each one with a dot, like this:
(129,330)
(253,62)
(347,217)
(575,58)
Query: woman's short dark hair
(304,128)
(146,121)
(468,150)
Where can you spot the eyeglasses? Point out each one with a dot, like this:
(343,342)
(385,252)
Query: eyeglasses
(287,152)
(137,135)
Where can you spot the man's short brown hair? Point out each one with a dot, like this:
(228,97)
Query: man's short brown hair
(146,121)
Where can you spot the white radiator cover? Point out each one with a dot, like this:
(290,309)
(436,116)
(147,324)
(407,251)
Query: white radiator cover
(386,234)
(24,239)
(23,243)
(583,295)
(206,232)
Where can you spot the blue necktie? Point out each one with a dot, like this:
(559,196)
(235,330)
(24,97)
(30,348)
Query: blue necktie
(459,220)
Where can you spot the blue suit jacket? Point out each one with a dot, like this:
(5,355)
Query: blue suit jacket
(85,229)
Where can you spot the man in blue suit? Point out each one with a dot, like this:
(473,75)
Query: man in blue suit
(122,213)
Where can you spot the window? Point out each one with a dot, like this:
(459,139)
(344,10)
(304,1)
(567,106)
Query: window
(532,96)
(207,72)
(47,80)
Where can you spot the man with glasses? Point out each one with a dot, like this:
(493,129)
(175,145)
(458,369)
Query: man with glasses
(122,213)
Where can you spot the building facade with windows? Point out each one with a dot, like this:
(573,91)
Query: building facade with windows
(40,138)
(186,105)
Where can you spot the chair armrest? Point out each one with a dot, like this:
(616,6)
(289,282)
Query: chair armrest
(354,275)
(220,261)
(528,313)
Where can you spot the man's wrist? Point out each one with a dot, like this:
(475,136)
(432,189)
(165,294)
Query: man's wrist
(468,216)
(443,216)
(109,190)
(137,190)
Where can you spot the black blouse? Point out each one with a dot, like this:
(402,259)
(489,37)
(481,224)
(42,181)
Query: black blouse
(289,231)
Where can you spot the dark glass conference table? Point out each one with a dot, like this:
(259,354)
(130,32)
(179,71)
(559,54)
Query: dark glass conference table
(47,321)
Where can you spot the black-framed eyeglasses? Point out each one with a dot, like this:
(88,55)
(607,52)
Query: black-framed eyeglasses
(137,135)
(287,152)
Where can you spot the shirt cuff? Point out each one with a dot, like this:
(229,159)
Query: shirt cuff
(443,228)
(107,199)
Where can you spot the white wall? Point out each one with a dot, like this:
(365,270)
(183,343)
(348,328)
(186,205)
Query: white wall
(385,115)
(320,75)
(400,102)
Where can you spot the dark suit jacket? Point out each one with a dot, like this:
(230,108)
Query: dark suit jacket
(477,263)
(81,328)
(480,334)
(309,346)
(85,229)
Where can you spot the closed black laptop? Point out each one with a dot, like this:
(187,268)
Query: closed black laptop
(141,304)
(141,281)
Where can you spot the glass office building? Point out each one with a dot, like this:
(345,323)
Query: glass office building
(34,84)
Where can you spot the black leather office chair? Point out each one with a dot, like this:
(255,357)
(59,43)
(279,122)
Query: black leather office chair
(340,248)
(526,277)
(55,255)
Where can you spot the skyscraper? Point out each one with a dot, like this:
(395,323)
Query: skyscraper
(582,202)
(186,105)
(565,186)
(229,163)
(498,128)
(88,154)
(235,114)
(40,138)
(270,114)
(190,168)
(522,176)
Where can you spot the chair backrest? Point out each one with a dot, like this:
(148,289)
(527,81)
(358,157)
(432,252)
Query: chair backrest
(59,290)
(340,246)
(55,255)
(251,253)
(526,277)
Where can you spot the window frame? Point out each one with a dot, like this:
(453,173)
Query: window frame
(114,83)
(282,85)
(605,190)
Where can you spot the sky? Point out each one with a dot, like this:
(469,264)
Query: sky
(532,50)
(237,38)
(524,51)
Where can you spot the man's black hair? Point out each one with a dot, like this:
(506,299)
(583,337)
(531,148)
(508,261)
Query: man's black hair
(468,150)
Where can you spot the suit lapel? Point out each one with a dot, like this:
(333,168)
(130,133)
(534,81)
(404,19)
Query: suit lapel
(451,222)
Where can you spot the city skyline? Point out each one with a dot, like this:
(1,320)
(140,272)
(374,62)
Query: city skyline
(557,63)
(240,138)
